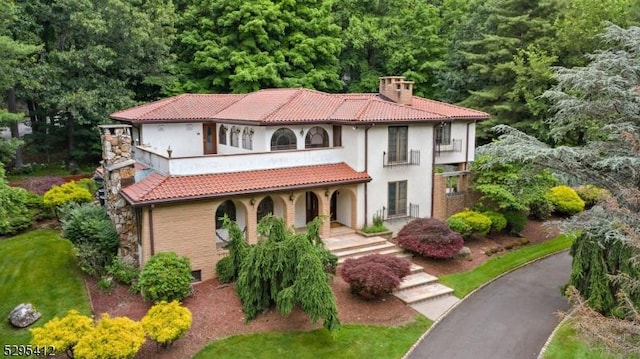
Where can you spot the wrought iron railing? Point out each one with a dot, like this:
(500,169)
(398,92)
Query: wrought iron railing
(411,211)
(454,146)
(412,158)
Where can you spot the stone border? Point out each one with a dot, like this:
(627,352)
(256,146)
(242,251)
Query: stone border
(444,315)
(553,334)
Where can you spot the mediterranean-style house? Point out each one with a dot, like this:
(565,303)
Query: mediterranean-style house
(173,167)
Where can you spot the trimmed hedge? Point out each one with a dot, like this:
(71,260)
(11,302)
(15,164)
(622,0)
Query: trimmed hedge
(430,237)
(166,276)
(374,275)
(566,200)
(498,220)
(479,223)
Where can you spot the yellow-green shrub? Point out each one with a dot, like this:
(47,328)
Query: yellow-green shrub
(62,333)
(592,194)
(118,337)
(498,220)
(565,200)
(69,192)
(479,223)
(166,322)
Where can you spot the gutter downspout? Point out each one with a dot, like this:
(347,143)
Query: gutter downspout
(466,147)
(433,168)
(366,168)
(153,249)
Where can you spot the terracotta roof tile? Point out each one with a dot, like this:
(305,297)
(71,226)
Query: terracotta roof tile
(179,108)
(158,188)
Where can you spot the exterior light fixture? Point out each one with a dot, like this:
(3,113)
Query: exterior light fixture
(291,197)
(252,201)
(169,151)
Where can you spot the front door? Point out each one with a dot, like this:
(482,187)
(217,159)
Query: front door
(312,206)
(209,138)
(334,206)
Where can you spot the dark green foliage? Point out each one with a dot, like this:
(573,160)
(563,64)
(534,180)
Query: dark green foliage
(284,269)
(91,259)
(225,270)
(166,276)
(541,208)
(90,224)
(37,208)
(430,237)
(498,220)
(329,260)
(238,246)
(515,222)
(124,270)
(374,275)
(15,215)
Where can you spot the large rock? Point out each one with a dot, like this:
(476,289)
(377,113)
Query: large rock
(464,253)
(24,315)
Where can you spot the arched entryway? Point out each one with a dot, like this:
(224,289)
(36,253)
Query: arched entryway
(312,206)
(333,206)
(227,207)
(264,208)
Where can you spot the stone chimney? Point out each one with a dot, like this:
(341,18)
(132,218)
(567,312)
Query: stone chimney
(396,89)
(119,171)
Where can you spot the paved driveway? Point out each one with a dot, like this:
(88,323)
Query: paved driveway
(509,318)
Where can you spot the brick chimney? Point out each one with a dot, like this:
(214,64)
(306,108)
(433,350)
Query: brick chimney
(396,89)
(119,171)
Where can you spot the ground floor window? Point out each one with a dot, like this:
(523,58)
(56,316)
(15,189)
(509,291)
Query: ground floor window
(397,195)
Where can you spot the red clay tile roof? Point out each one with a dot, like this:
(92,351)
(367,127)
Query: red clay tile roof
(157,188)
(277,106)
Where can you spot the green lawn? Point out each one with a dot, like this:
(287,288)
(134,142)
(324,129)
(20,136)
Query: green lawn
(38,267)
(566,344)
(352,341)
(464,283)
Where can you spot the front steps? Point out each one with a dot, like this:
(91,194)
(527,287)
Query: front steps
(419,290)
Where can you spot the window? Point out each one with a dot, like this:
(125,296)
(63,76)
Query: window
(337,136)
(283,139)
(227,208)
(316,137)
(247,138)
(234,136)
(265,207)
(397,198)
(197,275)
(443,133)
(398,143)
(222,136)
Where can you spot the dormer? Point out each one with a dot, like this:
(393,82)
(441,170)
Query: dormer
(396,89)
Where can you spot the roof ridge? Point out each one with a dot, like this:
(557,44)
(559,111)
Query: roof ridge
(390,102)
(295,94)
(450,104)
(366,106)
(164,178)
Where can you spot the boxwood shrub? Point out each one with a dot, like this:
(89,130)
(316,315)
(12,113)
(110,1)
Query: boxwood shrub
(430,237)
(166,276)
(565,200)
(592,194)
(479,223)
(374,275)
(498,220)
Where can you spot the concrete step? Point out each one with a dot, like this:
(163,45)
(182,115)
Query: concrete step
(338,244)
(390,252)
(435,308)
(417,279)
(416,268)
(359,251)
(423,292)
(340,231)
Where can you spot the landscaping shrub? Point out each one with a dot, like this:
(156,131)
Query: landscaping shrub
(225,270)
(515,222)
(89,184)
(377,226)
(430,237)
(62,333)
(166,276)
(479,223)
(118,337)
(124,270)
(37,208)
(461,226)
(91,259)
(541,208)
(592,194)
(40,185)
(566,200)
(498,220)
(90,224)
(69,192)
(328,259)
(14,214)
(166,322)
(374,275)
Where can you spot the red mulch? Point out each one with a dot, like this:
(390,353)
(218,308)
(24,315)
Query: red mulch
(217,312)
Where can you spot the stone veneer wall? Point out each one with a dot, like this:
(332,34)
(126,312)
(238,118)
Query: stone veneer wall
(119,172)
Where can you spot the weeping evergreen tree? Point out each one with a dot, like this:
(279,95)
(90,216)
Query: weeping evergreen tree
(284,269)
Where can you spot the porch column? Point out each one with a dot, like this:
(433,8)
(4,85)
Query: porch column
(324,210)
(251,220)
(289,200)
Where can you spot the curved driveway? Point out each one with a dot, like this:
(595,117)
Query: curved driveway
(511,317)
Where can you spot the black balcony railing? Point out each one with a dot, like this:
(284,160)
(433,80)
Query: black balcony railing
(455,145)
(411,158)
(411,211)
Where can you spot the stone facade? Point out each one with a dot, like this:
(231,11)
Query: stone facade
(446,201)
(119,172)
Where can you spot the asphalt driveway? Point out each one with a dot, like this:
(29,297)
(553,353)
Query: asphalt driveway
(511,317)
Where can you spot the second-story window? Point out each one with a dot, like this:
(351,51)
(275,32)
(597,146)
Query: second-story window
(247,138)
(222,135)
(443,133)
(283,139)
(398,143)
(316,137)
(235,138)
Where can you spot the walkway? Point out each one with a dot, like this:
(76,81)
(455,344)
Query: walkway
(511,317)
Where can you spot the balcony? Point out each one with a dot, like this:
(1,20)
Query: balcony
(412,158)
(410,212)
(455,145)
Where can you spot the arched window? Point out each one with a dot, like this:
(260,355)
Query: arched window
(234,136)
(283,139)
(316,137)
(227,208)
(222,136)
(265,207)
(247,138)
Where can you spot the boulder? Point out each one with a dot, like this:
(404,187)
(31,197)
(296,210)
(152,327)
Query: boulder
(24,315)
(464,253)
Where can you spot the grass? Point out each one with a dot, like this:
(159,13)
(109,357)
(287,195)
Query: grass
(351,341)
(464,283)
(566,344)
(38,267)
(58,170)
